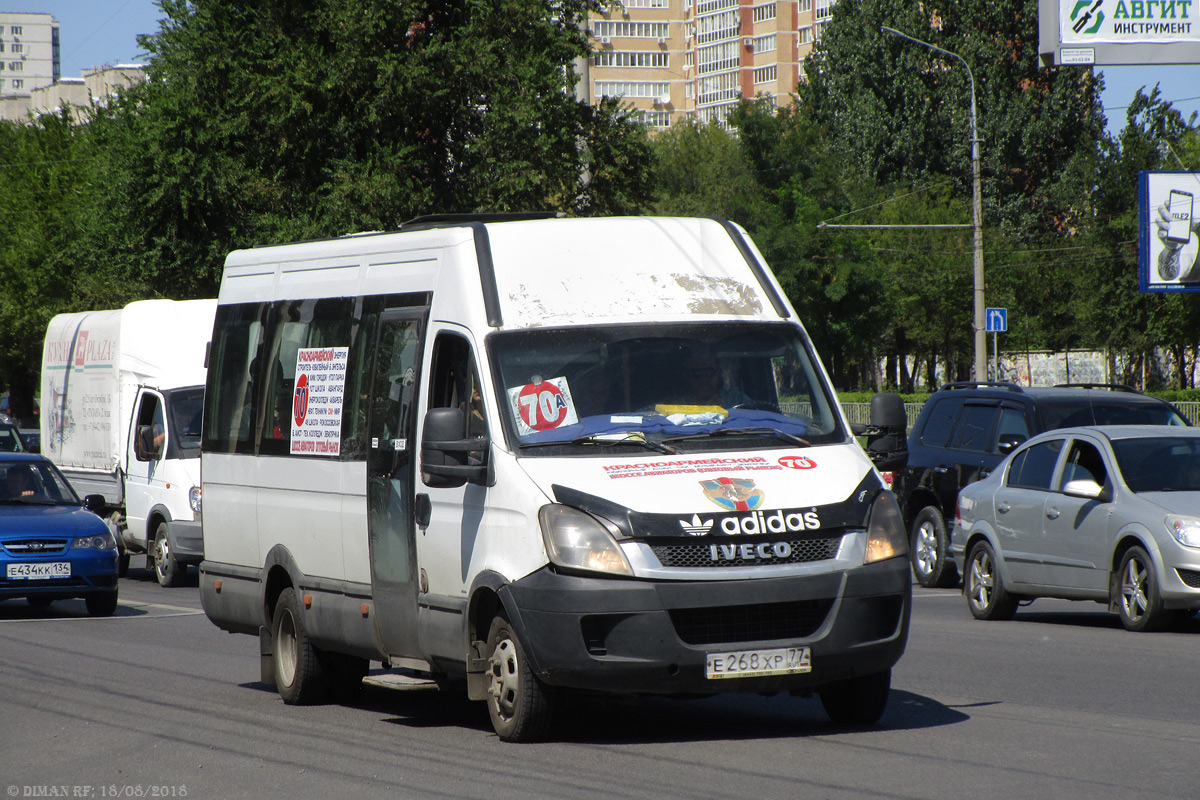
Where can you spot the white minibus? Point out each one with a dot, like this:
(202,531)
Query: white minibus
(541,456)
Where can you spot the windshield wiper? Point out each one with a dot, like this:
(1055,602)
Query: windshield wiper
(755,431)
(608,440)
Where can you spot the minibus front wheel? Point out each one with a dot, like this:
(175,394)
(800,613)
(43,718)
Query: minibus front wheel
(520,707)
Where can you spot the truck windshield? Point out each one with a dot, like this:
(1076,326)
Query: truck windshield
(187,406)
(695,386)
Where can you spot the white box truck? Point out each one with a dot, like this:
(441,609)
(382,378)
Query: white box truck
(122,398)
(547,456)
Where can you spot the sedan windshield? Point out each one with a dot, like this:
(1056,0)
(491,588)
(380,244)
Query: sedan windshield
(1161,464)
(663,387)
(34,483)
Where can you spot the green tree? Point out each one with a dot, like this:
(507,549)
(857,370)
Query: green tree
(263,121)
(898,112)
(43,177)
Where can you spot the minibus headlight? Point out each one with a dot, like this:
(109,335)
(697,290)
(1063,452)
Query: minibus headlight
(885,531)
(194,500)
(579,541)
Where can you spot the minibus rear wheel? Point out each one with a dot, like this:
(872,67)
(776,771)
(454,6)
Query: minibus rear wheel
(299,676)
(519,705)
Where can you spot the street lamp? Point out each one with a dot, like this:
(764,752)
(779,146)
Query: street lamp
(976,212)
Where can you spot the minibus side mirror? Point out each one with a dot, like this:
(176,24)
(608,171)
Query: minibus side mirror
(447,459)
(887,433)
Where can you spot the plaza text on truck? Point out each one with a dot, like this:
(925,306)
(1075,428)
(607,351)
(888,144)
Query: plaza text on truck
(122,393)
(544,456)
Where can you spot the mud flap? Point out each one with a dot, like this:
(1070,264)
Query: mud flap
(266,653)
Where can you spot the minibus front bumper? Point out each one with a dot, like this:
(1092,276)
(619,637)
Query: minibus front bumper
(657,637)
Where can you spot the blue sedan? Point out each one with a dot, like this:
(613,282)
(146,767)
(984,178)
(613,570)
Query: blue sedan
(51,546)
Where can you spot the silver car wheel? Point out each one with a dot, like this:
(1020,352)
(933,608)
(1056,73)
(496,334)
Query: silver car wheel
(1133,590)
(982,580)
(926,543)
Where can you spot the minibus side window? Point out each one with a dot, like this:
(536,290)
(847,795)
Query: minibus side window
(229,403)
(455,382)
(297,324)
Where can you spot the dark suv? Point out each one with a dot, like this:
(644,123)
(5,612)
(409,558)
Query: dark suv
(964,431)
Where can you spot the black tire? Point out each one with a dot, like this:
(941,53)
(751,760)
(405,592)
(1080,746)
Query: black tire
(299,674)
(519,705)
(1138,600)
(102,604)
(930,543)
(857,701)
(984,588)
(167,569)
(122,564)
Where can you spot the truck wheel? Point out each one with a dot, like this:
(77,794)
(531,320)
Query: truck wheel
(857,701)
(299,676)
(520,707)
(166,568)
(102,604)
(928,552)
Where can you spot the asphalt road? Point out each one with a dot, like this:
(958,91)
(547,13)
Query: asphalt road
(157,702)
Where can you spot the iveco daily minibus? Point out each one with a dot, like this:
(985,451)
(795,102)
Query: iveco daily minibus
(545,456)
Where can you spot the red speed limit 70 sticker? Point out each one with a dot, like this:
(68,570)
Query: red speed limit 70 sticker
(543,405)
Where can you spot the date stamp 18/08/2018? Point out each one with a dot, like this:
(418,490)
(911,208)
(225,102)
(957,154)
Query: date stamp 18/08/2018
(127,790)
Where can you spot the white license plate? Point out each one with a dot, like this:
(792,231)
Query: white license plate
(40,571)
(754,663)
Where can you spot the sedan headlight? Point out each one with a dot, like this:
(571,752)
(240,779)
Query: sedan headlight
(579,541)
(885,531)
(1186,530)
(100,542)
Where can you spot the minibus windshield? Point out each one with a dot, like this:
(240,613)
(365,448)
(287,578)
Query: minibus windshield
(694,386)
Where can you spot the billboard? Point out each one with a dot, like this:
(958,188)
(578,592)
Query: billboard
(1169,231)
(1113,32)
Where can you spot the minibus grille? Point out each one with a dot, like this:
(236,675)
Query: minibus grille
(756,623)
(726,552)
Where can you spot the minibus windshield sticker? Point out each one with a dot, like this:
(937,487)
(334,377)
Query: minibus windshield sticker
(542,404)
(317,400)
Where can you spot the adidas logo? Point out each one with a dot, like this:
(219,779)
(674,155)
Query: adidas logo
(696,526)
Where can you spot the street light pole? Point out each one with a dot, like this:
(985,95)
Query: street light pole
(976,212)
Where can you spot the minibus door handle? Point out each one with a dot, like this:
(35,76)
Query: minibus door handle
(422,510)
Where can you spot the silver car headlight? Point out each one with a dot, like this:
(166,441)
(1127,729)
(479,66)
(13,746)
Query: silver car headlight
(1186,530)
(885,531)
(579,541)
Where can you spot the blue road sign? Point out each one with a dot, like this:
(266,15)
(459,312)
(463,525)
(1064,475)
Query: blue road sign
(996,320)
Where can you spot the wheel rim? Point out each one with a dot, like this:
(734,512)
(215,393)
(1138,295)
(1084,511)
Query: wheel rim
(1133,590)
(285,649)
(505,677)
(982,580)
(926,549)
(162,552)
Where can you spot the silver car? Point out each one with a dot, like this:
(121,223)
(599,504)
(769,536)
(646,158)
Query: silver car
(1109,513)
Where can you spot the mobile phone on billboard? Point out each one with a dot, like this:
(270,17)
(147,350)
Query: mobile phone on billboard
(1179,212)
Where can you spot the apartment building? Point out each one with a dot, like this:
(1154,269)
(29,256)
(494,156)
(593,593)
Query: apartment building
(671,59)
(29,53)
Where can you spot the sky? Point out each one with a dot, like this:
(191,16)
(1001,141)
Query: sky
(96,32)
